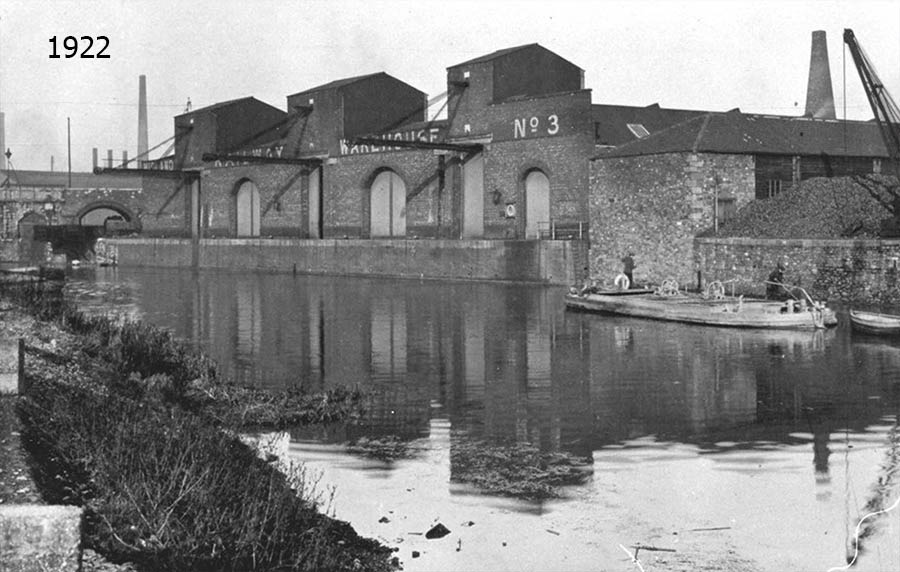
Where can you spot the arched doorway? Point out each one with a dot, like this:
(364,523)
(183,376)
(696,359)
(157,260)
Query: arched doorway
(246,204)
(473,197)
(537,203)
(387,206)
(27,224)
(29,249)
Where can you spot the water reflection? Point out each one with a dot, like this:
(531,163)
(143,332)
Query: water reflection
(766,427)
(508,363)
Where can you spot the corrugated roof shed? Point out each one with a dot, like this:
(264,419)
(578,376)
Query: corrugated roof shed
(741,133)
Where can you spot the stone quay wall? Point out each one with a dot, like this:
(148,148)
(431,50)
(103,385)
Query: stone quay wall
(862,272)
(539,261)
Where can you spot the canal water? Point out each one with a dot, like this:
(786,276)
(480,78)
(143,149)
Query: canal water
(712,449)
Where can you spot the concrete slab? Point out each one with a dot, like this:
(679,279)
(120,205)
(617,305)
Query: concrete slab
(9,383)
(40,537)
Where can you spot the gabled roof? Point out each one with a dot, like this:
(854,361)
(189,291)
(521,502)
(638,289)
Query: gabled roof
(223,104)
(740,133)
(494,55)
(505,52)
(611,121)
(339,83)
(60,179)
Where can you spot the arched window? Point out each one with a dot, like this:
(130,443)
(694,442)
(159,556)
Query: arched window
(387,208)
(537,203)
(246,205)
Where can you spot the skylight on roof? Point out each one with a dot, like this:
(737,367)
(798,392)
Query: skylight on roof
(639,130)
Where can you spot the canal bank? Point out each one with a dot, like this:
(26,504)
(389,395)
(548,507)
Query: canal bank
(539,261)
(81,423)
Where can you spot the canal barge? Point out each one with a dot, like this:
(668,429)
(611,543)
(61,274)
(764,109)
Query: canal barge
(709,311)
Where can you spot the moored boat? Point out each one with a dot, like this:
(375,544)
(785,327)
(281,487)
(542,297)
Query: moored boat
(711,311)
(875,323)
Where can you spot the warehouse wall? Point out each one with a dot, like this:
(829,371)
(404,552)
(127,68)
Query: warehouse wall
(282,196)
(789,170)
(653,206)
(347,193)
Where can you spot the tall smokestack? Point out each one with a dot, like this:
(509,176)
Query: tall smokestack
(2,140)
(819,97)
(143,137)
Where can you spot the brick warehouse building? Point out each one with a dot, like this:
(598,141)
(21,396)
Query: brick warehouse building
(358,158)
(652,197)
(510,161)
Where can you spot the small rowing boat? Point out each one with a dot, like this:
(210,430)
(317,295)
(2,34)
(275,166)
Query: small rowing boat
(875,323)
(671,305)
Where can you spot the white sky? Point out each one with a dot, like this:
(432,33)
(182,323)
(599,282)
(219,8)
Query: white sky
(709,55)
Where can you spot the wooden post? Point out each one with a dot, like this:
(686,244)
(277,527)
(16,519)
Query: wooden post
(21,378)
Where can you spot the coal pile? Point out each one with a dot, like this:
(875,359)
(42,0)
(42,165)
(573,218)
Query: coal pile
(839,207)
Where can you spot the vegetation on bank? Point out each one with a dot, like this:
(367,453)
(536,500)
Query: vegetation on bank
(131,424)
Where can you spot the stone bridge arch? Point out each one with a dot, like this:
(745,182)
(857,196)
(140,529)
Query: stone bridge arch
(98,213)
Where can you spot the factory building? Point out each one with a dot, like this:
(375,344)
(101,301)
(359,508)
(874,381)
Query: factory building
(517,152)
(359,157)
(653,196)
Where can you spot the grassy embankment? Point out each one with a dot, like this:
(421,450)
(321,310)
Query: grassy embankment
(126,421)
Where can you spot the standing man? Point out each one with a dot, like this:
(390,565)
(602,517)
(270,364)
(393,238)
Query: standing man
(628,269)
(775,289)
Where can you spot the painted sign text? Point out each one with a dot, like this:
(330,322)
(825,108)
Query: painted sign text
(535,126)
(430,135)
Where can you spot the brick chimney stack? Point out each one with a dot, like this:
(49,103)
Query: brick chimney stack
(819,95)
(143,137)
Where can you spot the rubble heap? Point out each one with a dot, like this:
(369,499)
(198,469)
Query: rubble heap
(838,207)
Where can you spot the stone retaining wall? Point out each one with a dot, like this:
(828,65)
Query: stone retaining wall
(863,272)
(541,261)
